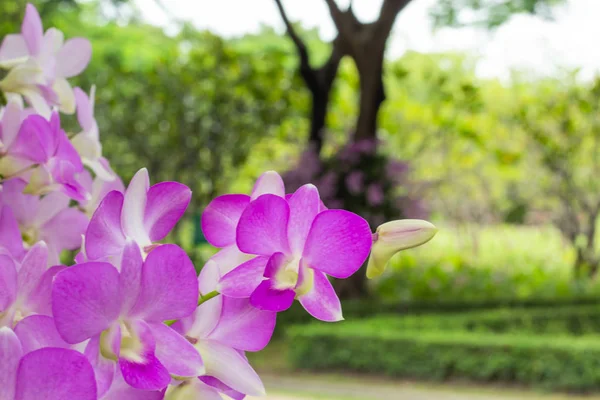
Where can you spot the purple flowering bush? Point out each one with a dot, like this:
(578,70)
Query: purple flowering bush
(131,319)
(359,178)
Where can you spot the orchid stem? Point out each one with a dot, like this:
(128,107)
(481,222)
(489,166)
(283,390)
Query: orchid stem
(201,300)
(207,297)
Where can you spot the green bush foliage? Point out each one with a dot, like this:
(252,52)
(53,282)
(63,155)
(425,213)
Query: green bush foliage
(558,362)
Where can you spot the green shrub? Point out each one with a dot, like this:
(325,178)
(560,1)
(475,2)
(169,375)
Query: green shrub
(551,362)
(579,311)
(571,320)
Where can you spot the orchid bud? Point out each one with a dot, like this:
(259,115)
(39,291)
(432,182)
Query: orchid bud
(394,236)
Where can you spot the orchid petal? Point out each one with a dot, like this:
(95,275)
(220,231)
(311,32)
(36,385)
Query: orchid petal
(321,301)
(220,360)
(166,204)
(85,300)
(304,207)
(338,243)
(178,355)
(267,297)
(10,235)
(13,50)
(32,29)
(8,281)
(104,235)
(38,331)
(262,228)
(10,354)
(134,204)
(243,326)
(268,183)
(220,218)
(55,374)
(130,276)
(169,288)
(33,266)
(244,279)
(66,97)
(73,57)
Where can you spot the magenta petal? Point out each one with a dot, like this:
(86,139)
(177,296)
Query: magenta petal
(33,266)
(40,299)
(104,235)
(167,202)
(268,183)
(244,279)
(8,281)
(321,301)
(36,141)
(63,232)
(206,316)
(38,331)
(338,244)
(174,351)
(149,374)
(32,29)
(276,263)
(266,297)
(304,207)
(243,326)
(10,354)
(262,228)
(73,57)
(169,287)
(55,374)
(130,276)
(120,390)
(221,216)
(10,235)
(85,300)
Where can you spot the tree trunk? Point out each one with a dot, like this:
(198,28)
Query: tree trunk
(372,96)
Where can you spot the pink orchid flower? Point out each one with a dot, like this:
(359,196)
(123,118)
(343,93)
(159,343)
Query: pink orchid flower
(11,242)
(144,214)
(47,218)
(221,329)
(26,285)
(296,243)
(14,159)
(87,142)
(49,373)
(42,155)
(98,188)
(56,59)
(121,311)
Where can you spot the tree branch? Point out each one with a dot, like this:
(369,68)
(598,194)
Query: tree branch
(387,16)
(340,18)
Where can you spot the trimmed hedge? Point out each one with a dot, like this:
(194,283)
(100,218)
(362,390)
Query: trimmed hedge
(572,320)
(552,362)
(368,308)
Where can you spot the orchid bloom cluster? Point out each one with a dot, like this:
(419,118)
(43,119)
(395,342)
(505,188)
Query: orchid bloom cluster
(131,319)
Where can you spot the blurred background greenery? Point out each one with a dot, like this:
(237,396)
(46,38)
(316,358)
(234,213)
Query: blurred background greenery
(506,168)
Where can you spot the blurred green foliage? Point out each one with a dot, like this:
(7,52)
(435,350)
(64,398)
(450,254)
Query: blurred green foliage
(214,113)
(448,351)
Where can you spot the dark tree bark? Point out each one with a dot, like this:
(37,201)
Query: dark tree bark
(365,44)
(318,80)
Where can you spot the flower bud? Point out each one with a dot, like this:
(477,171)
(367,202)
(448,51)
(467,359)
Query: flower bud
(394,236)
